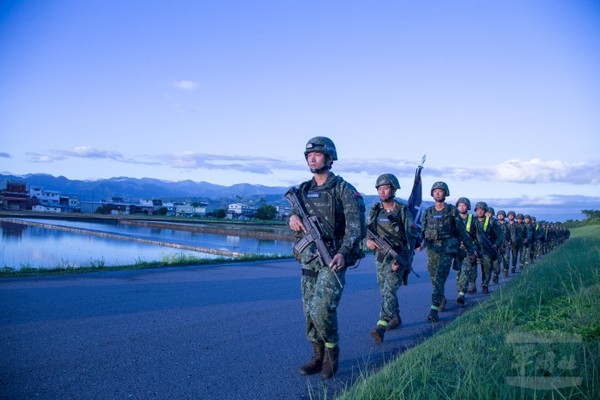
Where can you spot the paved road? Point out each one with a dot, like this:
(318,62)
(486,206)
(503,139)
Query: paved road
(232,331)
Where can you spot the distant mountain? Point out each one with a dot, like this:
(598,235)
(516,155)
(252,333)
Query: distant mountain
(145,188)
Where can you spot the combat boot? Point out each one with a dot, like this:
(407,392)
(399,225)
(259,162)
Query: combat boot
(461,298)
(485,290)
(314,365)
(330,362)
(395,322)
(505,273)
(378,333)
(513,270)
(495,278)
(433,316)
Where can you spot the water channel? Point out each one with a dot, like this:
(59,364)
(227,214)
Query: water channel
(42,243)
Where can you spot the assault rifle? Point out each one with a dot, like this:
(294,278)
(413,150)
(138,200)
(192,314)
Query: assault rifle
(488,245)
(314,232)
(386,247)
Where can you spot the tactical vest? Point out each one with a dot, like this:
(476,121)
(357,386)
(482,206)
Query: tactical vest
(389,227)
(439,225)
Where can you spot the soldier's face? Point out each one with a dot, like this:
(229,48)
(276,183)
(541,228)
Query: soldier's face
(500,217)
(439,194)
(480,212)
(462,208)
(316,160)
(385,192)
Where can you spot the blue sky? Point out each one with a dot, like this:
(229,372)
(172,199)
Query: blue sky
(502,96)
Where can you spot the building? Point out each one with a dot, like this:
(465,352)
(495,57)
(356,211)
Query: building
(15,196)
(240,211)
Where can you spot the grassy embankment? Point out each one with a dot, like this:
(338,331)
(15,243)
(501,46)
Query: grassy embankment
(537,333)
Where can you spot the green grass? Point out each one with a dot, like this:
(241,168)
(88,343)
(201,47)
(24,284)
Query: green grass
(544,325)
(176,260)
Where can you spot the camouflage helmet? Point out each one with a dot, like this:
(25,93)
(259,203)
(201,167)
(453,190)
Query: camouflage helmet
(388,179)
(501,212)
(526,216)
(321,144)
(465,201)
(481,204)
(511,213)
(519,216)
(440,185)
(491,210)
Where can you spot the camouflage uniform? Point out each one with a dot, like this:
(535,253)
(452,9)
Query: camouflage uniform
(399,229)
(516,234)
(503,256)
(442,231)
(462,264)
(343,207)
(493,238)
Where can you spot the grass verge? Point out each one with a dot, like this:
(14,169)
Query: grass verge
(180,260)
(536,338)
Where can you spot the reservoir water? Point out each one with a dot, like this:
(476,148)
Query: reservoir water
(38,246)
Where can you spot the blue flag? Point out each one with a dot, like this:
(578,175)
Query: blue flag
(416,197)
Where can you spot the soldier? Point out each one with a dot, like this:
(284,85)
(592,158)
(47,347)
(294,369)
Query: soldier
(489,240)
(443,230)
(530,233)
(526,235)
(503,251)
(462,264)
(491,214)
(392,220)
(340,209)
(516,235)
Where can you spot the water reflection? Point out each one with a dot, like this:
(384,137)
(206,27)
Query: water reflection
(39,247)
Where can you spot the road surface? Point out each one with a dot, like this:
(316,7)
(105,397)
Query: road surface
(228,331)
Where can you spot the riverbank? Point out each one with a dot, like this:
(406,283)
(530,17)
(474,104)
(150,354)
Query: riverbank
(266,230)
(536,338)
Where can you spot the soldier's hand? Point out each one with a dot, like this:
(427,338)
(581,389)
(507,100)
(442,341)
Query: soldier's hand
(338,262)
(395,266)
(371,245)
(296,224)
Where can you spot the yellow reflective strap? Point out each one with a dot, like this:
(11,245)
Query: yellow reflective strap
(330,345)
(382,323)
(485,224)
(469,218)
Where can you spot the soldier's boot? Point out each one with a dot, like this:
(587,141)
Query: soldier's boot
(378,333)
(513,270)
(472,288)
(395,322)
(495,278)
(485,290)
(461,298)
(505,273)
(315,364)
(442,306)
(433,315)
(330,362)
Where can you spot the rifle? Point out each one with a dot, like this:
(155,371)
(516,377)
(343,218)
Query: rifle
(489,246)
(386,247)
(314,232)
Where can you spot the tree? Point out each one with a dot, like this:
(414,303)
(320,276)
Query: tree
(220,213)
(266,212)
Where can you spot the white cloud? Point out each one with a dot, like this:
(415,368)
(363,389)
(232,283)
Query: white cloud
(185,85)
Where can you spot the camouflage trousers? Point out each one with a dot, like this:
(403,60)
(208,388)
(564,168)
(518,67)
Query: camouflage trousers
(321,296)
(501,263)
(438,266)
(389,282)
(486,268)
(516,252)
(463,275)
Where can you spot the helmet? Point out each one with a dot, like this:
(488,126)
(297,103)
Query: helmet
(501,212)
(491,210)
(511,213)
(519,216)
(465,201)
(481,204)
(527,216)
(321,144)
(388,179)
(440,185)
